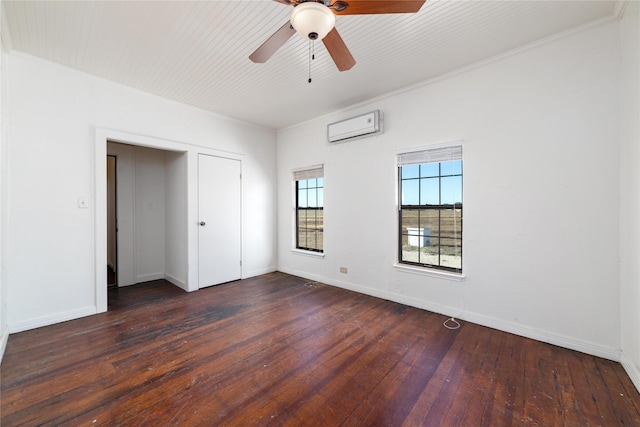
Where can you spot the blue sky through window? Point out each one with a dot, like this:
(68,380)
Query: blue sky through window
(311,193)
(420,183)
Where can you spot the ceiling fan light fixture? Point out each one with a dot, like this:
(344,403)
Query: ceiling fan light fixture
(312,20)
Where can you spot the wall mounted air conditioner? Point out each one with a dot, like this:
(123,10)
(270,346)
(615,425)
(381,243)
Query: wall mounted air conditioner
(355,127)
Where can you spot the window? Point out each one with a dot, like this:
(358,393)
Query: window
(310,208)
(430,214)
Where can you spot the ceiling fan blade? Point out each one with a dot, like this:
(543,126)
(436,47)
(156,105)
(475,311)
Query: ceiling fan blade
(273,43)
(367,7)
(338,50)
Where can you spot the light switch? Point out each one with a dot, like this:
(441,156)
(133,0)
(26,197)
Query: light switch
(83,202)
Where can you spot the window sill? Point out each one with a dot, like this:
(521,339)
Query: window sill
(430,272)
(308,253)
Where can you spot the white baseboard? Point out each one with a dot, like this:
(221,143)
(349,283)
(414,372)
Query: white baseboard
(544,336)
(179,283)
(632,370)
(413,302)
(4,336)
(259,271)
(491,322)
(52,319)
(149,277)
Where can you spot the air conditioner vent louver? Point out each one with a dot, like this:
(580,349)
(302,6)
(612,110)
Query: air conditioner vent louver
(356,127)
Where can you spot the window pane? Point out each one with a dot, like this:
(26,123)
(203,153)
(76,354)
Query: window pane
(429,191)
(409,219)
(314,240)
(311,197)
(409,253)
(410,194)
(319,240)
(311,183)
(302,183)
(410,171)
(320,219)
(431,254)
(302,198)
(302,238)
(429,221)
(311,239)
(320,197)
(451,223)
(310,225)
(429,169)
(418,236)
(451,190)
(451,253)
(320,182)
(451,168)
(302,218)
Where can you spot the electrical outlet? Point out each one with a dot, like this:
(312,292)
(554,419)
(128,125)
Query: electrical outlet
(343,270)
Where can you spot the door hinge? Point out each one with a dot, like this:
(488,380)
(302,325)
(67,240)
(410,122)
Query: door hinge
(240,176)
(240,262)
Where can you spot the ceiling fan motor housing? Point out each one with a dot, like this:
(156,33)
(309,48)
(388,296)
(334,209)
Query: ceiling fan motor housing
(312,20)
(315,20)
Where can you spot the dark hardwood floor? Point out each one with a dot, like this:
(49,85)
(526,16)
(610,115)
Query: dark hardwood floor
(279,350)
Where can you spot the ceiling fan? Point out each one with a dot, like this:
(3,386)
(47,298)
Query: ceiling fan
(315,20)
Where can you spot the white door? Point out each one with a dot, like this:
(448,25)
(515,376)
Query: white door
(219,215)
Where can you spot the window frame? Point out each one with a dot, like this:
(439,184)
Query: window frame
(431,154)
(305,174)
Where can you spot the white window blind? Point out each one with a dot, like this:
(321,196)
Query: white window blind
(308,173)
(431,155)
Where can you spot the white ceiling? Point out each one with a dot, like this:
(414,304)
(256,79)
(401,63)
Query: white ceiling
(196,52)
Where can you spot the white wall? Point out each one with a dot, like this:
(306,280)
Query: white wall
(149,214)
(176,232)
(540,131)
(54,113)
(4,325)
(630,192)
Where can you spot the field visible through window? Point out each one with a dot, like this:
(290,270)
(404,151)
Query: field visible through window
(432,236)
(311,228)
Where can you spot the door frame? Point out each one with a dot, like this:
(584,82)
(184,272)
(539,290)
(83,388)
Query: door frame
(102,136)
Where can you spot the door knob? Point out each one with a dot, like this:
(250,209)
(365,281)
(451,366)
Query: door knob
(202,223)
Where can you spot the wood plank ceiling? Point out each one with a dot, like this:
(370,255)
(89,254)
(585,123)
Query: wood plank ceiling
(196,52)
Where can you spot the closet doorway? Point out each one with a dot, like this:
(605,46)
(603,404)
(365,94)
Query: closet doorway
(148,223)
